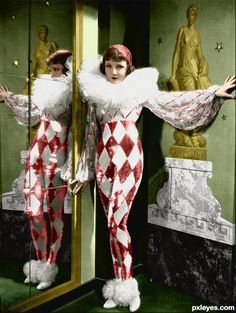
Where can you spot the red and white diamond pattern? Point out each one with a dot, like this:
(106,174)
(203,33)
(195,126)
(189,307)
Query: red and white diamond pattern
(119,172)
(42,179)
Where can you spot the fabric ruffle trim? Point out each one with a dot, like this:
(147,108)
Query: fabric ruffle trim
(49,92)
(134,90)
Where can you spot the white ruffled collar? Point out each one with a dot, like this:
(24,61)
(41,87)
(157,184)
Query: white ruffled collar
(49,92)
(134,90)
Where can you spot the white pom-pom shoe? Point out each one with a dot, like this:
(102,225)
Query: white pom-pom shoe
(46,275)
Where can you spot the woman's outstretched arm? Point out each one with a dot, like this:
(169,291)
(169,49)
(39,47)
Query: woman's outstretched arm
(19,105)
(189,109)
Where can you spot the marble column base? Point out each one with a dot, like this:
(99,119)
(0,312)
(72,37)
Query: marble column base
(191,264)
(16,240)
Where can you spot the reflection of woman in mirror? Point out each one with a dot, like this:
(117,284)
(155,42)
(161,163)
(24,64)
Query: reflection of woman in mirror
(116,94)
(189,67)
(51,106)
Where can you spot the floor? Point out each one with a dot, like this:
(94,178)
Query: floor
(155,297)
(12,287)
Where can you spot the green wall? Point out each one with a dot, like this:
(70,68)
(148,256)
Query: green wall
(215,23)
(88,210)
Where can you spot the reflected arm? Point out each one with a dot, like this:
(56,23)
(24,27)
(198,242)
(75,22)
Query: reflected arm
(86,165)
(19,105)
(66,171)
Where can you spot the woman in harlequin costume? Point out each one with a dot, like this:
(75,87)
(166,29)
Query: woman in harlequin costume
(47,154)
(115,94)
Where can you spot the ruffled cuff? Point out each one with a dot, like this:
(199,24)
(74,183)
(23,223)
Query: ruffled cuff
(66,171)
(85,175)
(216,100)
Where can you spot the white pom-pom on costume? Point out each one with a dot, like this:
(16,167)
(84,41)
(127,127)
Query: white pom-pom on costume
(127,294)
(46,275)
(109,288)
(108,293)
(122,293)
(30,269)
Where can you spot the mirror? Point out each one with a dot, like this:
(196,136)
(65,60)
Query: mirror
(31,31)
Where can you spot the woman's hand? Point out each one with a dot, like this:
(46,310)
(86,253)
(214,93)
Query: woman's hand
(227,88)
(75,186)
(3,93)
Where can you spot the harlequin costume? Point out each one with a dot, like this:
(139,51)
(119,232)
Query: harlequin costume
(116,159)
(47,154)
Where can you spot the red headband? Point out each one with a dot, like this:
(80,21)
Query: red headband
(124,51)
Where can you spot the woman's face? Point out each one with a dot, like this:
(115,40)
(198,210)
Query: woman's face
(191,16)
(56,69)
(115,71)
(42,33)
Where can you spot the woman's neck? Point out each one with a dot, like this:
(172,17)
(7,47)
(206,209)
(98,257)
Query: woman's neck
(191,26)
(43,42)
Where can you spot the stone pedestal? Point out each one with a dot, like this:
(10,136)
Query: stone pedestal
(186,203)
(190,246)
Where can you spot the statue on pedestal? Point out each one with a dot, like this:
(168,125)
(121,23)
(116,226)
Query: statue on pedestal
(189,72)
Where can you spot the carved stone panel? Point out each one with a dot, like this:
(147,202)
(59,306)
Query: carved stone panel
(186,203)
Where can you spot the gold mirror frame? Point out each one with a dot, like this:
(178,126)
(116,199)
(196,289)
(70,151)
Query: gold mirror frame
(77,125)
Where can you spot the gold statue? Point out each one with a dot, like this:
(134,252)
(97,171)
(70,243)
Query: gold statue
(44,49)
(188,145)
(189,67)
(189,72)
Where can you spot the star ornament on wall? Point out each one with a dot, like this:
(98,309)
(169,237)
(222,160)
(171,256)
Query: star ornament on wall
(223,117)
(219,46)
(159,41)
(16,62)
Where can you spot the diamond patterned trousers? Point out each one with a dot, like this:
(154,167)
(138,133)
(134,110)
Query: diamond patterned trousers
(43,182)
(119,169)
